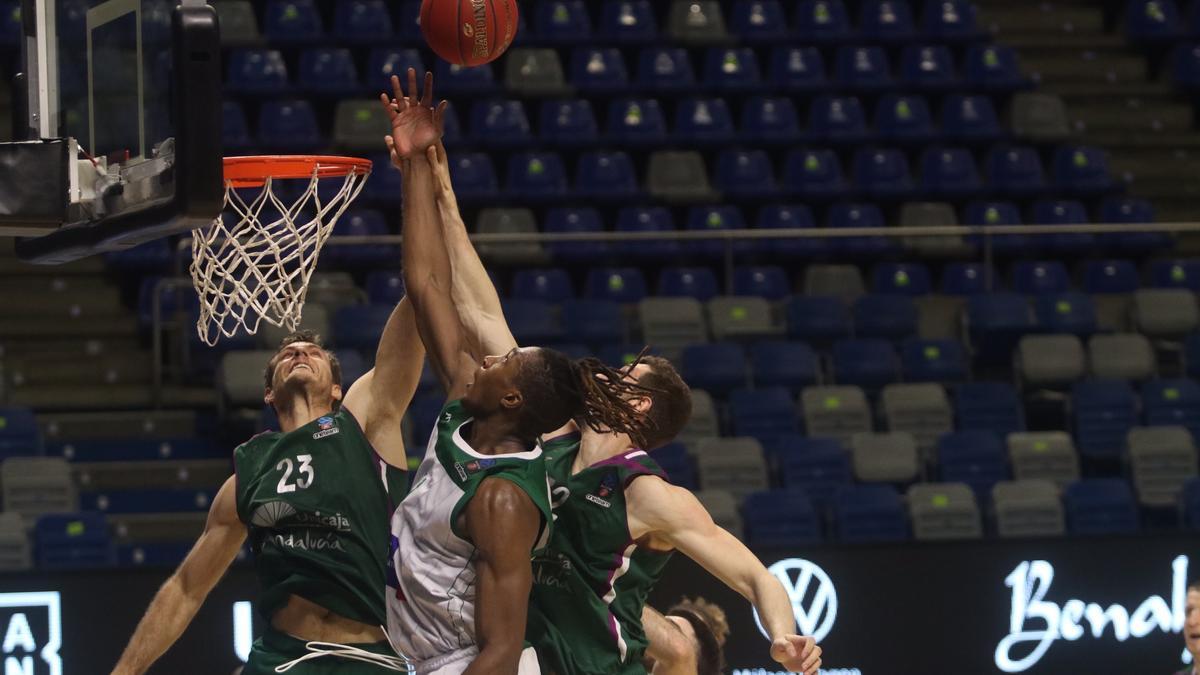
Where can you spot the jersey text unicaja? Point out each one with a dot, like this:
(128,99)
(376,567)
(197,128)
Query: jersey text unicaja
(431,605)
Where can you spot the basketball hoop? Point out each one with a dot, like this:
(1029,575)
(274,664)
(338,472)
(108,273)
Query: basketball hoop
(255,261)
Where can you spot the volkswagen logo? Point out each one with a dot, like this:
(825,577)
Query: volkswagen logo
(814,599)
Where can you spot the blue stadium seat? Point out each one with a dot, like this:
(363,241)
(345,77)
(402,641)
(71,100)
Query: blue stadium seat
(869,363)
(1041,276)
(1016,171)
(1191,355)
(568,122)
(767,281)
(1190,503)
(970,119)
(605,175)
(146,500)
(361,223)
(386,184)
(996,322)
(709,218)
(997,213)
(384,62)
(1070,312)
(293,21)
(949,173)
(886,21)
(703,121)
(1153,21)
(901,279)
(359,21)
(1063,212)
(745,174)
(731,69)
(819,466)
(885,316)
(688,282)
(870,514)
(628,22)
(551,285)
(19,435)
(354,366)
(385,287)
(172,303)
(1117,209)
(1081,170)
(593,321)
(677,462)
(797,69)
(69,541)
(793,365)
(153,257)
(163,554)
(473,175)
(815,175)
(717,368)
(11,26)
(819,319)
(235,129)
(636,121)
(862,68)
(933,360)
(1172,402)
(664,69)
(1098,506)
(598,70)
(769,119)
(1176,273)
(1102,412)
(993,68)
(904,118)
(359,326)
(562,22)
(532,322)
(563,220)
(424,411)
(536,175)
(790,216)
(452,129)
(883,173)
(288,125)
(622,354)
(1110,276)
(928,68)
(822,22)
(838,119)
(1185,66)
(409,24)
(256,71)
(860,215)
(950,21)
(624,285)
(455,79)
(988,406)
(648,219)
(328,71)
(763,413)
(780,519)
(976,458)
(500,123)
(758,20)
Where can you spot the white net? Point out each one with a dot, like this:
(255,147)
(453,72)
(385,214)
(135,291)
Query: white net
(255,261)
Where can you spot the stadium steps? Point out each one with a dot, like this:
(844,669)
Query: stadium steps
(162,473)
(114,397)
(118,368)
(117,425)
(146,528)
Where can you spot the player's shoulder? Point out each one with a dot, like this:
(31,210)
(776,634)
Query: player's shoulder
(499,495)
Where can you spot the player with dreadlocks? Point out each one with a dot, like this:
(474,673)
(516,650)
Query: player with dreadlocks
(480,503)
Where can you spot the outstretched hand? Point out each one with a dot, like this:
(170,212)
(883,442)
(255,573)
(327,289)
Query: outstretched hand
(416,123)
(797,654)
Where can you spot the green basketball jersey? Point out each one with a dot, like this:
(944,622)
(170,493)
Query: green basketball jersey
(316,502)
(592,580)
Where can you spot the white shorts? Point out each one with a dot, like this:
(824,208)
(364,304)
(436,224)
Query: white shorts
(455,663)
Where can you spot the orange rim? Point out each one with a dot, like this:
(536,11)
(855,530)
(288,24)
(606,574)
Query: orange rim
(255,170)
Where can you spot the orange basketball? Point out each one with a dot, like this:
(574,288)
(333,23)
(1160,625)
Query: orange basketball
(469,32)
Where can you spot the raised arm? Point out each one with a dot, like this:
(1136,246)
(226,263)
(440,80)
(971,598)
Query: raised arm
(417,126)
(673,516)
(503,523)
(669,650)
(180,597)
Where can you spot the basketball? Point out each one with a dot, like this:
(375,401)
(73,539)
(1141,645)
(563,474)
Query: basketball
(469,32)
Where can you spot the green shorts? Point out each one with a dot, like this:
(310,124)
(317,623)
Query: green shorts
(275,648)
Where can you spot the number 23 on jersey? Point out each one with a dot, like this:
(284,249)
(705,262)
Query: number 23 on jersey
(305,474)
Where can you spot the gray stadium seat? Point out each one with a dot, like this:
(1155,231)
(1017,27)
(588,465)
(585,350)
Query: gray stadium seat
(359,125)
(1048,455)
(162,473)
(933,214)
(240,377)
(835,411)
(736,317)
(885,457)
(315,318)
(156,527)
(733,464)
(1050,360)
(118,424)
(238,23)
(921,409)
(1165,312)
(704,422)
(1123,356)
(1039,117)
(16,553)
(940,316)
(334,290)
(944,511)
(696,22)
(1112,311)
(843,281)
(533,72)
(678,177)
(1162,459)
(723,508)
(670,324)
(1028,508)
(509,221)
(34,486)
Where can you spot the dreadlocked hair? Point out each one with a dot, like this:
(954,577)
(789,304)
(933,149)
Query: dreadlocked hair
(608,400)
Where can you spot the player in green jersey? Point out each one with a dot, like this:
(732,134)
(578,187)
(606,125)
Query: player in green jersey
(315,499)
(625,517)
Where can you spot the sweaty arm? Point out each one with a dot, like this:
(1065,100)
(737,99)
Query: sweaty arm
(669,649)
(672,517)
(503,523)
(180,597)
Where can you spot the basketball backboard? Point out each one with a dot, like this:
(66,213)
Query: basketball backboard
(119,106)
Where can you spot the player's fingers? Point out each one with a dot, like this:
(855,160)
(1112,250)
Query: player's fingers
(431,154)
(427,96)
(806,647)
(412,85)
(397,90)
(813,661)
